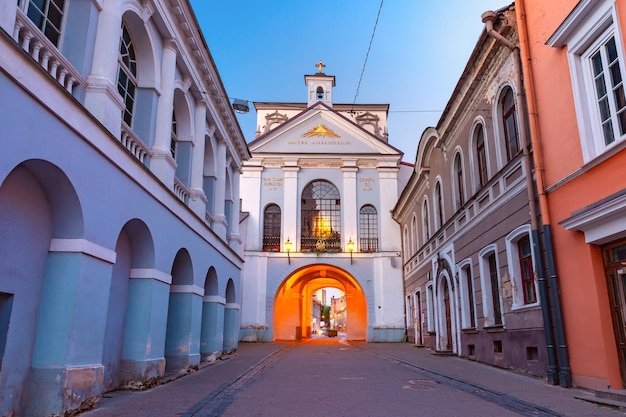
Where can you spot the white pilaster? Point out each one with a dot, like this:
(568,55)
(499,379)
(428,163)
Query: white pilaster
(349,202)
(219,219)
(251,203)
(162,163)
(391,236)
(197,198)
(234,239)
(101,96)
(290,200)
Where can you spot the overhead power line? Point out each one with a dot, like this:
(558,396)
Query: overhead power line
(367,54)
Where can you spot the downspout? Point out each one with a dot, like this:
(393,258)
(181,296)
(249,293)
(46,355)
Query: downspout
(552,374)
(565,372)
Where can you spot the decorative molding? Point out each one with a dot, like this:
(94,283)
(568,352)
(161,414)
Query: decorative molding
(187,289)
(150,273)
(83,246)
(214,299)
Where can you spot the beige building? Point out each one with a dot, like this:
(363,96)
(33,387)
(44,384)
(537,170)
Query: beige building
(467,218)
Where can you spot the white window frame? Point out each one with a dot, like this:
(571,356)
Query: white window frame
(466,322)
(24,4)
(512,256)
(430,307)
(407,251)
(485,282)
(409,311)
(438,206)
(455,180)
(426,220)
(588,26)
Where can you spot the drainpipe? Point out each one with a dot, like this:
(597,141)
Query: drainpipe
(565,372)
(552,374)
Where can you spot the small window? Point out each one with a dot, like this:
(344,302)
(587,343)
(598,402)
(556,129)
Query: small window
(439,204)
(495,289)
(271,228)
(468,316)
(519,246)
(425,222)
(526,270)
(490,283)
(368,229)
(47,15)
(320,93)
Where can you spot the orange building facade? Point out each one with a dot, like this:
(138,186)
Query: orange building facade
(574,62)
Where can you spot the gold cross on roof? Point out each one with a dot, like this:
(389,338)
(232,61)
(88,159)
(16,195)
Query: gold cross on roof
(320,65)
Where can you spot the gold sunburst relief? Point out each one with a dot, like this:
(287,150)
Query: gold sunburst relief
(320,130)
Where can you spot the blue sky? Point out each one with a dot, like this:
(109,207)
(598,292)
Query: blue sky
(263,49)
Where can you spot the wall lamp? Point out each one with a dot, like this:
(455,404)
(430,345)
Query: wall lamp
(288,249)
(350,249)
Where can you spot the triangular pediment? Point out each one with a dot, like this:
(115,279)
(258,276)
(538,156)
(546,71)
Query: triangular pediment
(320,130)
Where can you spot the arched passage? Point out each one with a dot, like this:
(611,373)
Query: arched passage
(293,305)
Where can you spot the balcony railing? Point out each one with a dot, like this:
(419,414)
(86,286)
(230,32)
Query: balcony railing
(135,146)
(368,244)
(45,53)
(318,244)
(271,244)
(181,191)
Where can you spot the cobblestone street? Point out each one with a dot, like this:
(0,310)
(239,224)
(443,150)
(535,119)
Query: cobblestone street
(327,376)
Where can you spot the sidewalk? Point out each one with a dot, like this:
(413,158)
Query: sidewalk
(180,395)
(530,389)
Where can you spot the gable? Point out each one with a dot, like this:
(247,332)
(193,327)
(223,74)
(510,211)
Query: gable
(321,131)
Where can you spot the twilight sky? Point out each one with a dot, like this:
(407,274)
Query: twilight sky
(263,49)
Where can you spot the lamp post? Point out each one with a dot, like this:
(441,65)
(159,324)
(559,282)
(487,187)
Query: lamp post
(288,249)
(350,249)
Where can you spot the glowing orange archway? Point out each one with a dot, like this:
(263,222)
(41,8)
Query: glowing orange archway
(292,303)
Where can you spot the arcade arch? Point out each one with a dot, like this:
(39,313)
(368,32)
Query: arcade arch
(293,302)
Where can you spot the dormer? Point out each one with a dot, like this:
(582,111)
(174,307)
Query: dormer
(320,86)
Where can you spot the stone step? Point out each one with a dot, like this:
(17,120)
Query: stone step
(605,402)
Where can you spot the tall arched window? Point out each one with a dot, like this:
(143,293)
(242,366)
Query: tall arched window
(509,123)
(458,178)
(414,235)
(481,156)
(320,217)
(368,229)
(425,222)
(271,228)
(174,136)
(439,204)
(127,76)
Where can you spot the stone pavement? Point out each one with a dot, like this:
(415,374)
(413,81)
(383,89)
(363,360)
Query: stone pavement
(213,390)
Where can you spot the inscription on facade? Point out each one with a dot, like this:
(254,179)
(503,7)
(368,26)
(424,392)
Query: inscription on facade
(272,183)
(366,183)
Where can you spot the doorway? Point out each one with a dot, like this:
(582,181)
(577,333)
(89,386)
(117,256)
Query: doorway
(615,271)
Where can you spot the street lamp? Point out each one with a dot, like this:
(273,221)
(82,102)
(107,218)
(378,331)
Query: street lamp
(288,249)
(350,249)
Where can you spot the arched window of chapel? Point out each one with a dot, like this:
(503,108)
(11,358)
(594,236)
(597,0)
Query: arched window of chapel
(320,218)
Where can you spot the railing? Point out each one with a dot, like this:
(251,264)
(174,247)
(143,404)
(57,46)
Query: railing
(181,191)
(318,244)
(45,53)
(271,244)
(135,146)
(368,244)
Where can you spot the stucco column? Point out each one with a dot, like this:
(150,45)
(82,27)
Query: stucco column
(350,210)
(290,200)
(219,218)
(212,332)
(8,9)
(388,180)
(197,198)
(162,164)
(234,239)
(101,96)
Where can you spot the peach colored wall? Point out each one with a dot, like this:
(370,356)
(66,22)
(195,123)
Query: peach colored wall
(584,296)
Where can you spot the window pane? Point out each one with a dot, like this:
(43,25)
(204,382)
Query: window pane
(320,217)
(611,49)
(605,111)
(596,63)
(600,86)
(607,129)
(616,74)
(621,117)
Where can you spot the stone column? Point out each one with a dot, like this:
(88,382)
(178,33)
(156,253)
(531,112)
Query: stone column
(162,164)
(197,198)
(219,217)
(212,333)
(231,327)
(350,211)
(101,96)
